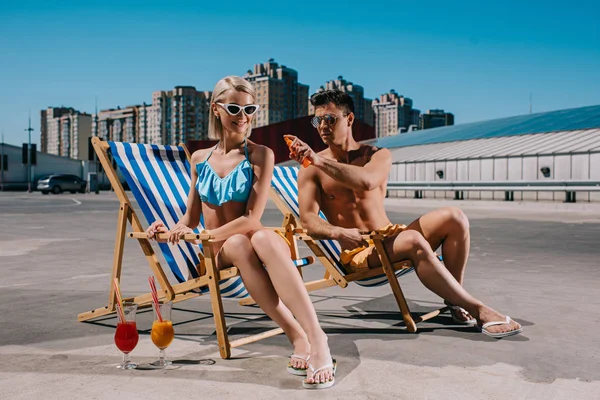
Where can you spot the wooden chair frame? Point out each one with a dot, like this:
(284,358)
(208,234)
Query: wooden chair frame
(333,276)
(168,292)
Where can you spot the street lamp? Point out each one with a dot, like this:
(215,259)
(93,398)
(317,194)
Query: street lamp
(29,129)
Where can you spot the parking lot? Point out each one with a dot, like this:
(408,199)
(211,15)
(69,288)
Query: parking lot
(536,262)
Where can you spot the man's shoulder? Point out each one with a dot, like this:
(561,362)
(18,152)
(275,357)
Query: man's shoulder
(370,149)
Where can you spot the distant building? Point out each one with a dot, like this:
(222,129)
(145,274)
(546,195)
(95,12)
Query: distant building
(415,117)
(363,109)
(129,124)
(392,112)
(65,132)
(280,96)
(435,118)
(177,115)
(14,173)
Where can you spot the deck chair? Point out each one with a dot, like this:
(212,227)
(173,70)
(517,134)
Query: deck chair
(284,193)
(159,179)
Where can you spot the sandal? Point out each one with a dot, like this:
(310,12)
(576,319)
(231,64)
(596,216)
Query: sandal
(323,385)
(297,371)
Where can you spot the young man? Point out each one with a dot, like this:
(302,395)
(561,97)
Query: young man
(347,181)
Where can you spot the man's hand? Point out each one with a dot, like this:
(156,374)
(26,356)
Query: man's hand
(300,151)
(349,238)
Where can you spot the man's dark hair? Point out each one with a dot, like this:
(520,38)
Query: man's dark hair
(341,99)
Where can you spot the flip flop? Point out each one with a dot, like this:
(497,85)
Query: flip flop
(471,321)
(324,385)
(499,335)
(297,371)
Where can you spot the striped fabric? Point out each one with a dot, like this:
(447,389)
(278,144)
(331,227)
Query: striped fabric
(285,183)
(159,178)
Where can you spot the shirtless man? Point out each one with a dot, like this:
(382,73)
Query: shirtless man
(347,181)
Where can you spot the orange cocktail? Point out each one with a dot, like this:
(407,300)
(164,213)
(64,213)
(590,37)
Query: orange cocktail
(162,334)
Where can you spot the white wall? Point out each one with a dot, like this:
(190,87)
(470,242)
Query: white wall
(585,166)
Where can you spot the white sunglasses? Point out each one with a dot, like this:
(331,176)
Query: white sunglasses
(234,109)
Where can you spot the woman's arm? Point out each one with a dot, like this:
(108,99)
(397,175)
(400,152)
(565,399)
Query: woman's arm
(263,160)
(191,218)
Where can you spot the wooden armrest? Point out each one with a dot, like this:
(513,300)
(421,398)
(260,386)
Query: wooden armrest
(303,235)
(188,237)
(276,228)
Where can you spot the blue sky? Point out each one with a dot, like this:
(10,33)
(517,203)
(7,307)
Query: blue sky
(476,61)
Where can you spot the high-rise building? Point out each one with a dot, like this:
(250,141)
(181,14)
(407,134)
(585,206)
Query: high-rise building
(415,117)
(178,115)
(129,124)
(280,96)
(435,118)
(65,132)
(363,109)
(47,122)
(392,112)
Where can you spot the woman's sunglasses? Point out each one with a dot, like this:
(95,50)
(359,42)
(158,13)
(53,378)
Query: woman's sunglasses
(234,109)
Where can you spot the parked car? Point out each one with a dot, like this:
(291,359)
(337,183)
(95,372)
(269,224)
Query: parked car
(57,183)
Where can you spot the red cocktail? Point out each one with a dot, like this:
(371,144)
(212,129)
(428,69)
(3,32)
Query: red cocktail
(126,335)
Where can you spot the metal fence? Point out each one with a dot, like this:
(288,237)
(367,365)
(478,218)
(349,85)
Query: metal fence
(569,187)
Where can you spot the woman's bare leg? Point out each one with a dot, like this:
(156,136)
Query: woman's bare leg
(238,251)
(275,255)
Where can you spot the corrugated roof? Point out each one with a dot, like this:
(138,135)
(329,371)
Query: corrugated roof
(576,141)
(562,120)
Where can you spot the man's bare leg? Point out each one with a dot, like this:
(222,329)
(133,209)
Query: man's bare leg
(411,245)
(238,251)
(448,227)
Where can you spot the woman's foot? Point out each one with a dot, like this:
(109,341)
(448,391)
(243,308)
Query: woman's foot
(320,357)
(299,360)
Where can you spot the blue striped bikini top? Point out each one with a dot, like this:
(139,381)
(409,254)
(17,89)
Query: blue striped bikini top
(235,186)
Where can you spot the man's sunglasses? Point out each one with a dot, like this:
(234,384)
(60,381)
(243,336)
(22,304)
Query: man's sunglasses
(329,119)
(234,109)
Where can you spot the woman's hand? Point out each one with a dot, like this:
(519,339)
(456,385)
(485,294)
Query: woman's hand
(154,229)
(178,232)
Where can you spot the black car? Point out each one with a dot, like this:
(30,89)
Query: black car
(57,183)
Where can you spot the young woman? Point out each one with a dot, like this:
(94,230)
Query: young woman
(231,187)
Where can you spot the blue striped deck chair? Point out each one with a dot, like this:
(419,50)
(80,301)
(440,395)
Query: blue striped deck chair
(159,179)
(284,193)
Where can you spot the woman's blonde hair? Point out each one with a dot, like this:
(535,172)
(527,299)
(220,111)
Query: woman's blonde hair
(215,126)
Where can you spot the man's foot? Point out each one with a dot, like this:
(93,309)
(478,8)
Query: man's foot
(460,315)
(299,360)
(321,361)
(497,325)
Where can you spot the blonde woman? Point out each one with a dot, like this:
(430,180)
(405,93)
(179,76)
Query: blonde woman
(231,191)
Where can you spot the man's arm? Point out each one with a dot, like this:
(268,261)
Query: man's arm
(309,201)
(369,177)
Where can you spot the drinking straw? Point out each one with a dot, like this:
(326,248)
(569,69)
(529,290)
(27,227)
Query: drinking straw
(155,297)
(119,300)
